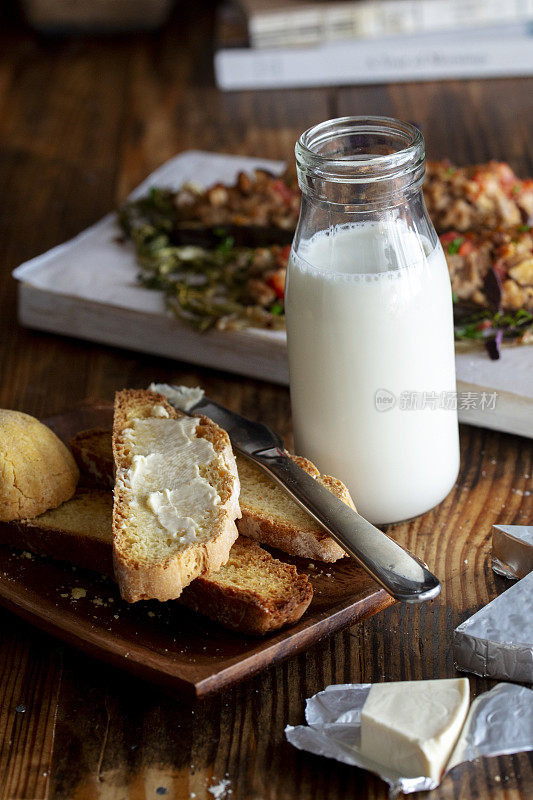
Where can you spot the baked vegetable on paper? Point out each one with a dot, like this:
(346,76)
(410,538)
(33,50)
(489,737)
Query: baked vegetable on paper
(220,254)
(257,210)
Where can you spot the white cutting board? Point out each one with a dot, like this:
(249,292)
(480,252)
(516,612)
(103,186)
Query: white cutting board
(87,288)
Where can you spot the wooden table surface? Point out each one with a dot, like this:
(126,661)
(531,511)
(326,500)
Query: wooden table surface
(81,123)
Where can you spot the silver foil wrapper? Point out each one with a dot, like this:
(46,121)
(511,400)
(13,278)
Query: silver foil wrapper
(497,642)
(498,722)
(512,550)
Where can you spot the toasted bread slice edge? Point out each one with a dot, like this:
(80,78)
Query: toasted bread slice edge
(297,541)
(95,463)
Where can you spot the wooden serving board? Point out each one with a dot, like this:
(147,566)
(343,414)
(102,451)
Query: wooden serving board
(164,642)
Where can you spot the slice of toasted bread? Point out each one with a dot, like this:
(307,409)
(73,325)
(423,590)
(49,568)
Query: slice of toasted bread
(176,497)
(78,531)
(253,593)
(93,452)
(268,513)
(273,518)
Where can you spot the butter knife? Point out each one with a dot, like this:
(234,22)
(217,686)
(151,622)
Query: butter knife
(400,573)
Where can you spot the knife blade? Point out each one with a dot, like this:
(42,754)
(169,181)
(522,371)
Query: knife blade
(397,570)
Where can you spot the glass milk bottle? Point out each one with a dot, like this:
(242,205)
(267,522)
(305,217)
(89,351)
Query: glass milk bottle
(369,320)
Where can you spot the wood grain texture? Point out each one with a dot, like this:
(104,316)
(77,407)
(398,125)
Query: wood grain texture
(81,123)
(30,677)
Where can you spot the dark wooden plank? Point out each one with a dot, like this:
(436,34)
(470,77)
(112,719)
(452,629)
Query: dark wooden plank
(81,123)
(30,679)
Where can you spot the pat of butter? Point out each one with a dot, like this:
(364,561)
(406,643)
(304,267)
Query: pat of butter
(412,726)
(159,411)
(164,476)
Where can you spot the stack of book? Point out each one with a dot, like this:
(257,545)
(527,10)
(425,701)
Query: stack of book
(265,44)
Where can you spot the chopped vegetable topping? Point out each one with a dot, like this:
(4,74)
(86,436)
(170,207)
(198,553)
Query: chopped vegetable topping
(277,282)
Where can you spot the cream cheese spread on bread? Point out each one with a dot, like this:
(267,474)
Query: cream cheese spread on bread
(159,411)
(182,397)
(165,474)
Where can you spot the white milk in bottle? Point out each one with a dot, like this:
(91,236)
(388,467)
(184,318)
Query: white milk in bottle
(369,326)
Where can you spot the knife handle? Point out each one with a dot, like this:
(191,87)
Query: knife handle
(399,572)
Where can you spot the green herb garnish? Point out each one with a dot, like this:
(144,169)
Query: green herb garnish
(472,324)
(454,246)
(226,245)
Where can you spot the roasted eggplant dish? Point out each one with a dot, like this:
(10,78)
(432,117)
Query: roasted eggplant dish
(220,254)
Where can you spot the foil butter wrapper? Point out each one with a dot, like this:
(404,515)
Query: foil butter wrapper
(512,550)
(499,722)
(497,642)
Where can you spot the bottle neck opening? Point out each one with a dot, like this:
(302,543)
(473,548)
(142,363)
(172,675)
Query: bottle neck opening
(364,162)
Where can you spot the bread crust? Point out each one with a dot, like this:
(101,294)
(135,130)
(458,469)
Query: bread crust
(167,579)
(285,538)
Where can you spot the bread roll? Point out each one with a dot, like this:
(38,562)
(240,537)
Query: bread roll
(37,471)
